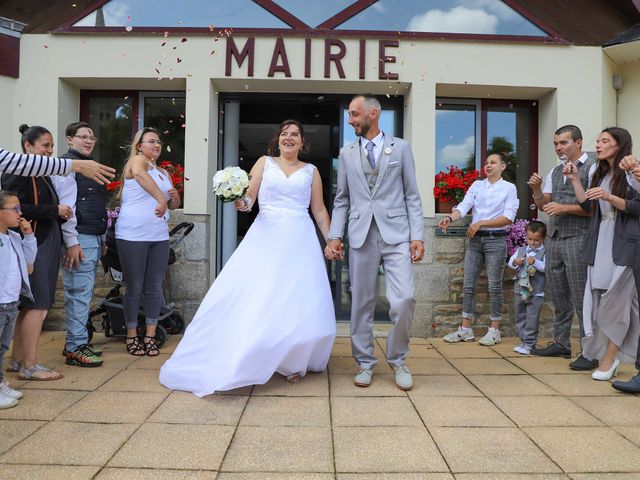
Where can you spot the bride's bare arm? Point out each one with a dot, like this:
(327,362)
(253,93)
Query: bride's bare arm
(254,185)
(318,208)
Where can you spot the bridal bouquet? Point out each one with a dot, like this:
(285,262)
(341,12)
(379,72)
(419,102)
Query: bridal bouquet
(230,184)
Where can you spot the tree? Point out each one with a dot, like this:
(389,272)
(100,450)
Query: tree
(500,144)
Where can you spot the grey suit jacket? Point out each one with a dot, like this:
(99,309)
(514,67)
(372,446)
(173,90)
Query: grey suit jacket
(394,200)
(26,248)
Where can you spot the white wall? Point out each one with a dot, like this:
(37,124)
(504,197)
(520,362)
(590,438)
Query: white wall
(629,101)
(572,85)
(8,128)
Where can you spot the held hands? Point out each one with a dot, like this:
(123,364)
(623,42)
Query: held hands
(65,212)
(25,226)
(333,250)
(73,257)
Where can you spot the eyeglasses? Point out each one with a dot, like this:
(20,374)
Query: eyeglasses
(16,209)
(86,138)
(153,142)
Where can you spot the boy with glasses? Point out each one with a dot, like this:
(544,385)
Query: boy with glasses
(16,262)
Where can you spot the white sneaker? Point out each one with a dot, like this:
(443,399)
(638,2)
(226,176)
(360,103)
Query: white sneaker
(522,349)
(460,335)
(7,402)
(491,338)
(7,391)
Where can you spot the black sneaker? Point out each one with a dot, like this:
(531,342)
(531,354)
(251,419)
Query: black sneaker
(95,349)
(583,364)
(552,350)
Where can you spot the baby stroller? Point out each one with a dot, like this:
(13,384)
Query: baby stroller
(170,321)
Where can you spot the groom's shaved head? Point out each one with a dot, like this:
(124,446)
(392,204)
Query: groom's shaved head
(370,101)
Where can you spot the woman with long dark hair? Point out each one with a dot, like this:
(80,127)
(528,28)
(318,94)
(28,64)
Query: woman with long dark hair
(610,315)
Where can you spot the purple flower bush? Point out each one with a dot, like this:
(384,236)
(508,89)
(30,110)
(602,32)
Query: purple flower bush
(516,235)
(112,214)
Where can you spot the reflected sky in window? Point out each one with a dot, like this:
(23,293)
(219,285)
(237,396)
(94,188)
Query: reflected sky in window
(186,13)
(447,16)
(455,136)
(313,13)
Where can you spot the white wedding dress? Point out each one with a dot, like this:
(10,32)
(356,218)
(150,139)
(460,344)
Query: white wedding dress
(270,308)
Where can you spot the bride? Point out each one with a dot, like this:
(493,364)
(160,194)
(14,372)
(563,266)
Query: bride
(270,309)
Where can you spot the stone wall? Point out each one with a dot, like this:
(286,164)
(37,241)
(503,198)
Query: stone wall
(186,281)
(439,279)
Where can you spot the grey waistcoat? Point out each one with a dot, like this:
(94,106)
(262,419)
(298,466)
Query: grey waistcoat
(370,173)
(565,226)
(537,281)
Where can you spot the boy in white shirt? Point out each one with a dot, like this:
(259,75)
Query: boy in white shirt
(495,203)
(529,262)
(16,262)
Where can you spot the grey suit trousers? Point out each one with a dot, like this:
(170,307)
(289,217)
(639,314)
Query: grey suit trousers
(398,273)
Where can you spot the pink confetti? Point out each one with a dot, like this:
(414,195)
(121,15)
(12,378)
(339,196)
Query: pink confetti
(128,28)
(166,132)
(46,46)
(211,28)
(128,18)
(183,125)
(166,34)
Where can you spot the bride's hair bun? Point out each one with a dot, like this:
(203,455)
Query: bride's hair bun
(23,128)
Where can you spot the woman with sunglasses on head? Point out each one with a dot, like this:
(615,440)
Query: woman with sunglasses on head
(40,205)
(142,235)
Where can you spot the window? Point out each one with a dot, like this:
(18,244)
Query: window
(468,130)
(187,13)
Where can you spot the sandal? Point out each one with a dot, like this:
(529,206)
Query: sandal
(13,365)
(29,373)
(135,347)
(294,378)
(151,347)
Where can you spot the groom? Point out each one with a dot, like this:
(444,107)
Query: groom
(377,189)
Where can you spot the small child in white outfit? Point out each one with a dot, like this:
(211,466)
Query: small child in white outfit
(16,262)
(529,262)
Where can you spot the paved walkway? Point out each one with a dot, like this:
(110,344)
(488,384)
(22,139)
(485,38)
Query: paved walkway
(475,413)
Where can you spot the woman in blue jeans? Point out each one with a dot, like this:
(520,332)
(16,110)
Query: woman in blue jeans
(142,235)
(495,203)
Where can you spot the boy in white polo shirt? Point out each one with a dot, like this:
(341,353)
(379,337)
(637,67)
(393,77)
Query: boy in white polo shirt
(16,262)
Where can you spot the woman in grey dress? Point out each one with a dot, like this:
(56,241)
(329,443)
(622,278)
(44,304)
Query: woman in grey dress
(610,319)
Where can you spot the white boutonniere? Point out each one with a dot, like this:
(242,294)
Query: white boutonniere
(388,150)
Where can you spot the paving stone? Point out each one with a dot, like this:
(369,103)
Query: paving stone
(511,476)
(534,364)
(287,412)
(374,411)
(460,412)
(312,385)
(510,385)
(75,378)
(280,449)
(135,380)
(443,385)
(631,433)
(344,366)
(604,476)
(150,363)
(65,443)
(48,472)
(14,431)
(423,351)
(430,366)
(483,366)
(577,385)
(463,350)
(386,449)
(542,411)
(593,449)
(342,350)
(474,450)
(114,407)
(381,386)
(618,410)
(275,476)
(42,404)
(394,476)
(155,474)
(187,447)
(183,407)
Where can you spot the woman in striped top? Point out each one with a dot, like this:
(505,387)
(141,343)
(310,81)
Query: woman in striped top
(29,165)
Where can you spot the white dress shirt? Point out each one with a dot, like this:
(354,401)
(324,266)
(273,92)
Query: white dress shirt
(490,201)
(67,191)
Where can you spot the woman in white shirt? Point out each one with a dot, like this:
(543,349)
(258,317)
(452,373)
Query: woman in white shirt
(495,203)
(142,235)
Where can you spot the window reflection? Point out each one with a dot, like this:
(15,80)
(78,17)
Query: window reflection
(455,136)
(187,13)
(459,16)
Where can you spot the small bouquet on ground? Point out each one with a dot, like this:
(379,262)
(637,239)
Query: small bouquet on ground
(231,184)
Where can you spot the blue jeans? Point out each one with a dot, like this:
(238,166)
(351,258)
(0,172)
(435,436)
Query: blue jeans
(8,315)
(78,291)
(493,252)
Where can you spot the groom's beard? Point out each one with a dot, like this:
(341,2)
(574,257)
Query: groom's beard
(364,129)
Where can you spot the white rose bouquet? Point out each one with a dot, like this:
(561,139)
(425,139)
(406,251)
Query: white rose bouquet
(230,184)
